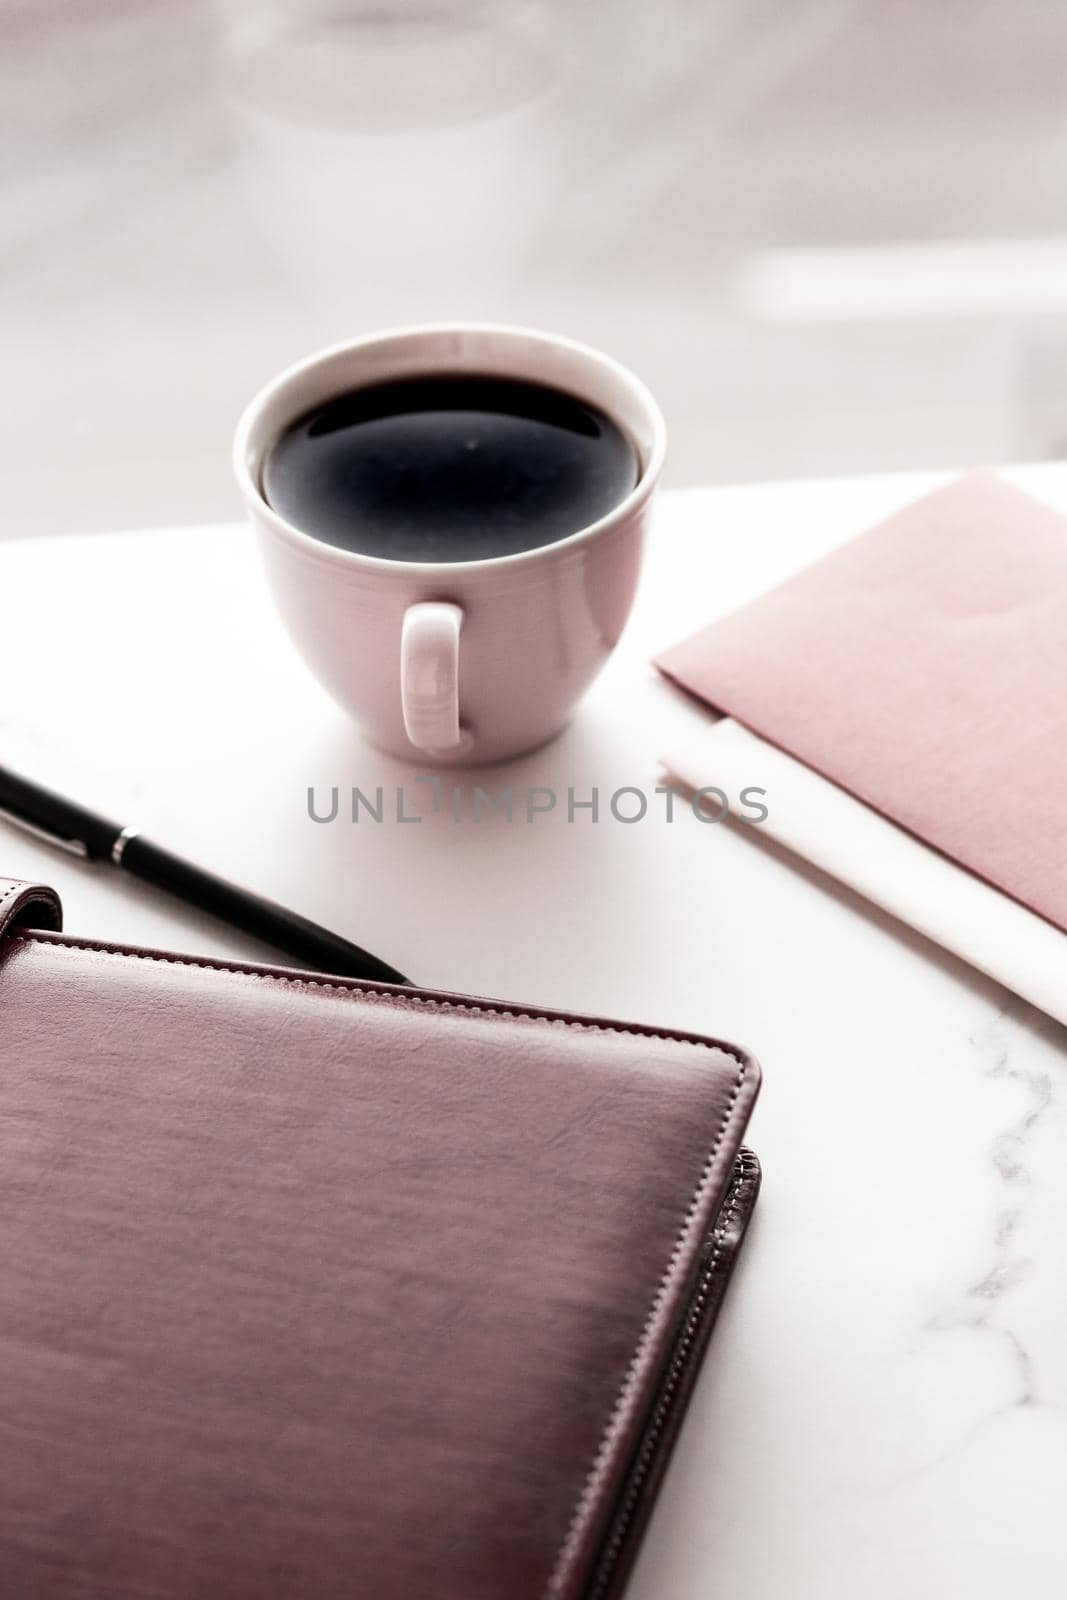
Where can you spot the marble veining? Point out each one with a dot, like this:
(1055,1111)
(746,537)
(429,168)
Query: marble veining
(984,1306)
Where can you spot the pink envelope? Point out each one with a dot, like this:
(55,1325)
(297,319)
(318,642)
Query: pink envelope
(923,668)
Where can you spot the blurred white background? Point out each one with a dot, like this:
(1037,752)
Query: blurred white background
(831,234)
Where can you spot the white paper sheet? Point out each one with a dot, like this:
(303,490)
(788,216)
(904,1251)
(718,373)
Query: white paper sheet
(845,838)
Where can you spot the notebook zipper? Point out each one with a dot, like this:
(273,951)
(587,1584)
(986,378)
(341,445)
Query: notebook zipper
(664,1406)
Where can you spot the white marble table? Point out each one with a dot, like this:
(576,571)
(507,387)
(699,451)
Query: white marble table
(884,1412)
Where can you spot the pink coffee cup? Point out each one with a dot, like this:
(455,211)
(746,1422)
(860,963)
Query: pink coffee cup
(467,661)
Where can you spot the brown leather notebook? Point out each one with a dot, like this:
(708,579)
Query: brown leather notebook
(321,1288)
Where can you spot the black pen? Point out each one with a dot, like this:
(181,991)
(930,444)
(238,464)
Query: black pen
(62,822)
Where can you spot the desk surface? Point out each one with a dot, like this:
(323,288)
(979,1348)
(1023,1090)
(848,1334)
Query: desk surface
(883,1411)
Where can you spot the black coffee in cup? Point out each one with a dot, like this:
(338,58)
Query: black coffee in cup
(449,468)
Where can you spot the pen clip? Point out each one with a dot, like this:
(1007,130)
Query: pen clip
(73,847)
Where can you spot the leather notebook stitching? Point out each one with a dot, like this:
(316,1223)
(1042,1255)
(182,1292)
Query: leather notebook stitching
(630,1384)
(378,996)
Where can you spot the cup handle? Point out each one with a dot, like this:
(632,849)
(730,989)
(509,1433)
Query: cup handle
(429,674)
